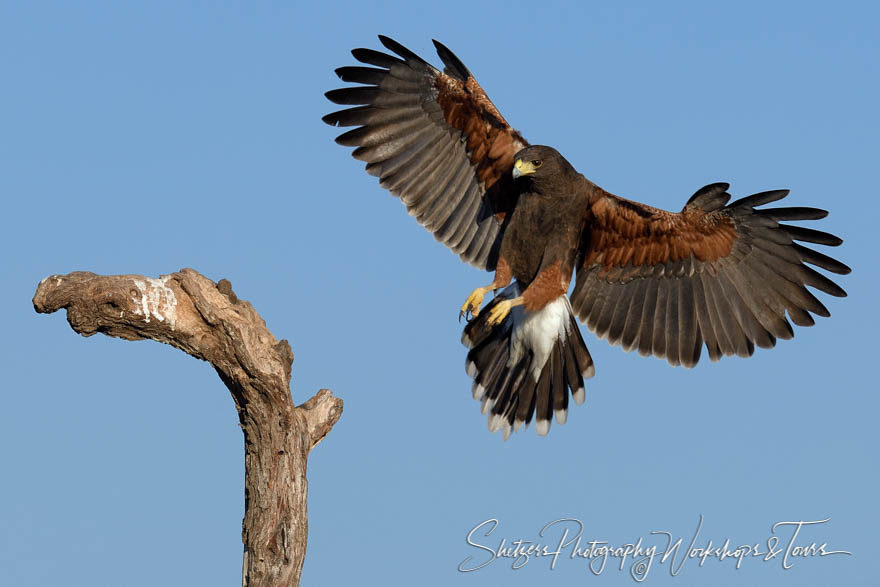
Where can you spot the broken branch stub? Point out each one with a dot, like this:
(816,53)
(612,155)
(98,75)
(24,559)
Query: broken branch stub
(208,321)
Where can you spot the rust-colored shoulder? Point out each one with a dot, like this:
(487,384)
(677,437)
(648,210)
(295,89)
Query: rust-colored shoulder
(491,142)
(623,232)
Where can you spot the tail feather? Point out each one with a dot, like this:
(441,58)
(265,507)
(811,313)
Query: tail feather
(560,398)
(526,366)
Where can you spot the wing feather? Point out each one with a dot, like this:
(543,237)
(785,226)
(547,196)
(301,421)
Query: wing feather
(687,324)
(617,321)
(456,227)
(706,325)
(603,321)
(725,328)
(630,336)
(649,310)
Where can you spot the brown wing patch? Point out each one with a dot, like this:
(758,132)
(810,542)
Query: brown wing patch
(491,142)
(623,233)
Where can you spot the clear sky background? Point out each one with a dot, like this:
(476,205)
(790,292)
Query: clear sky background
(147,139)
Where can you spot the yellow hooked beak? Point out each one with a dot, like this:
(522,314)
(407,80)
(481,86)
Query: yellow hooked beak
(521,168)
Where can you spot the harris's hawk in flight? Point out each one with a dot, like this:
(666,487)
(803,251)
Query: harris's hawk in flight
(718,273)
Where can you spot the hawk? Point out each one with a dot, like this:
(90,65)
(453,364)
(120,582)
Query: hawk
(718,274)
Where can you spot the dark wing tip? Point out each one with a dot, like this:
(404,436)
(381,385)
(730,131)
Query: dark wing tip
(811,236)
(361,75)
(759,199)
(393,45)
(355,96)
(334,95)
(454,66)
(793,213)
(710,197)
(341,71)
(373,57)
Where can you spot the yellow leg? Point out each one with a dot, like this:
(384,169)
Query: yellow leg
(474,301)
(502,309)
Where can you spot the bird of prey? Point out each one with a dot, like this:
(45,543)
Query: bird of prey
(718,274)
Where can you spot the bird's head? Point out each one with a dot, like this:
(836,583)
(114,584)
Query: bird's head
(540,165)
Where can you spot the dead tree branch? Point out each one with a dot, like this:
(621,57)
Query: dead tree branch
(207,320)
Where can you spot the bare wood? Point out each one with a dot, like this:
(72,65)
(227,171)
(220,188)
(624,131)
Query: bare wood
(207,320)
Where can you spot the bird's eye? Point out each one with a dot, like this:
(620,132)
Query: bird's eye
(537,163)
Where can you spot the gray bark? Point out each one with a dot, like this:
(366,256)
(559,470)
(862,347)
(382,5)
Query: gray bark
(207,320)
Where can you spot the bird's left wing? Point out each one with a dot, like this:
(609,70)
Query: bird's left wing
(714,273)
(435,140)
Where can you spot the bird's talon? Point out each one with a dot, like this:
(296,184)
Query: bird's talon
(499,312)
(471,307)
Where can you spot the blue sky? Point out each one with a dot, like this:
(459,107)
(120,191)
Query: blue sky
(147,139)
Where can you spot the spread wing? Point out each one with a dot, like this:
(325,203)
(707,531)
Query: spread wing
(436,141)
(715,273)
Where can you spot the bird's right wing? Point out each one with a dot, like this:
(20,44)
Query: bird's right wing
(436,141)
(715,273)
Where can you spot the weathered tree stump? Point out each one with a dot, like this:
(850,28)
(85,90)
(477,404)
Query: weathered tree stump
(207,320)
